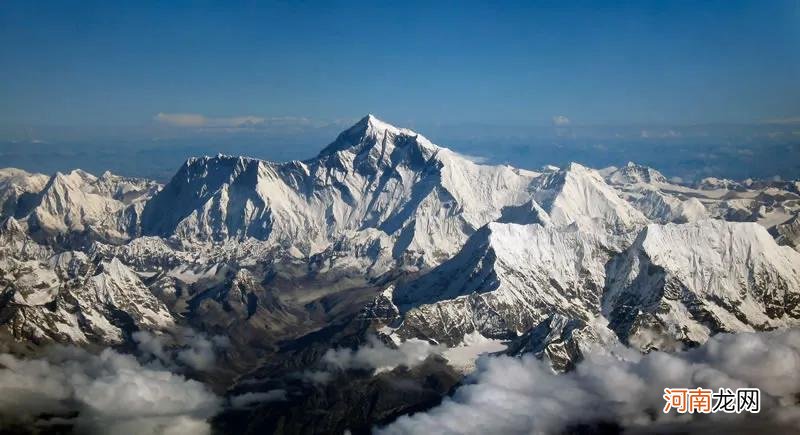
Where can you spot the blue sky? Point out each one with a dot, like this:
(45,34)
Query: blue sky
(81,73)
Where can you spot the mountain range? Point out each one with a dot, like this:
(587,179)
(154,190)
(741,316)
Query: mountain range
(385,234)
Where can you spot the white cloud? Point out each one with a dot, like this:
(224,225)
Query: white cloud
(560,121)
(105,393)
(373,355)
(784,121)
(648,134)
(182,347)
(376,355)
(182,119)
(510,395)
(152,346)
(200,354)
(247,399)
(474,159)
(196,120)
(676,180)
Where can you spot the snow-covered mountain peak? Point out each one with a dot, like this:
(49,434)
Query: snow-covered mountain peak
(427,199)
(16,186)
(635,174)
(578,193)
(373,177)
(549,168)
(218,169)
(371,133)
(75,207)
(576,167)
(66,202)
(372,122)
(78,176)
(73,178)
(711,183)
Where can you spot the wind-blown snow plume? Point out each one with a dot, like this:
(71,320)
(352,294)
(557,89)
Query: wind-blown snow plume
(510,395)
(105,393)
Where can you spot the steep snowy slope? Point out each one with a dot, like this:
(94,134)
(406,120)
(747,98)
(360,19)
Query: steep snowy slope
(681,283)
(66,205)
(506,280)
(579,193)
(636,174)
(663,208)
(17,189)
(79,207)
(788,233)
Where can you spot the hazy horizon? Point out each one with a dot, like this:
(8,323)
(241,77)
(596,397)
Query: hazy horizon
(685,157)
(692,89)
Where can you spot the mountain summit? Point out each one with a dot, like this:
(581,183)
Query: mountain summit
(370,132)
(374,177)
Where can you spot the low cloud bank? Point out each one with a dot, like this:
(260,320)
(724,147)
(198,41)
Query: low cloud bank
(249,399)
(180,348)
(105,393)
(373,355)
(197,120)
(376,355)
(511,395)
